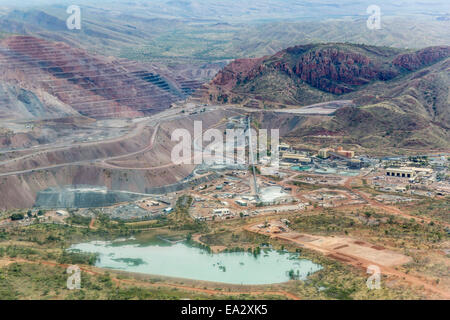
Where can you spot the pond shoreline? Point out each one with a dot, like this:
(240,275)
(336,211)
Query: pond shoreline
(183,261)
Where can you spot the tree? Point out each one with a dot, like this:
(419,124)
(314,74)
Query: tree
(293,275)
(17,216)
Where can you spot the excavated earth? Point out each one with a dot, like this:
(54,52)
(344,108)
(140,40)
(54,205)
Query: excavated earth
(69,117)
(79,82)
(148,170)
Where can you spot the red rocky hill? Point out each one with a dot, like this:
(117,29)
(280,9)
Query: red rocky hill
(400,97)
(333,68)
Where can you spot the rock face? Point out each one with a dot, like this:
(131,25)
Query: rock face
(87,196)
(82,197)
(400,97)
(416,60)
(237,71)
(93,86)
(332,68)
(133,163)
(19,103)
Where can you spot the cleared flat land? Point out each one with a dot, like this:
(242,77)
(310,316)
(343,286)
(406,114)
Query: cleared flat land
(324,109)
(339,245)
(359,254)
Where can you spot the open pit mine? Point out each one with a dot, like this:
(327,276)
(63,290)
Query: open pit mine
(73,118)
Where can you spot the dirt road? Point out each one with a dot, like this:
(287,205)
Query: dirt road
(390,209)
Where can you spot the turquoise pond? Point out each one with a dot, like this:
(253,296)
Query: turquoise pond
(184,261)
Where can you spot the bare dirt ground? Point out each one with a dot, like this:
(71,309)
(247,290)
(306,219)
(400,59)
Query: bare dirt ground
(5,262)
(91,224)
(355,253)
(386,208)
(214,249)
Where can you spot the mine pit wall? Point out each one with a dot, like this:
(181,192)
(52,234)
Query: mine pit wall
(182,185)
(64,198)
(19,191)
(124,87)
(161,153)
(82,153)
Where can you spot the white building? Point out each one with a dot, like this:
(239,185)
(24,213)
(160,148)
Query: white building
(222,212)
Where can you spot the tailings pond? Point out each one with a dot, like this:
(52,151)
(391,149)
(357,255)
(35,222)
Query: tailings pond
(181,260)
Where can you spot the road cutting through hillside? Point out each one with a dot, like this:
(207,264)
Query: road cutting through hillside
(134,131)
(156,120)
(84,162)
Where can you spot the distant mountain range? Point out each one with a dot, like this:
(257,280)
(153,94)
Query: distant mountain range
(199,32)
(249,10)
(401,97)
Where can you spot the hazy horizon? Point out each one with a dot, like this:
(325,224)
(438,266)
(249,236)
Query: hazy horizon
(248,9)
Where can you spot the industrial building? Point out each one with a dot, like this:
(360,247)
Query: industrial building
(295,158)
(241,203)
(346,153)
(339,152)
(284,147)
(407,172)
(222,212)
(400,172)
(354,164)
(325,153)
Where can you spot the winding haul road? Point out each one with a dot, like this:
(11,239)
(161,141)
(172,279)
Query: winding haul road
(137,129)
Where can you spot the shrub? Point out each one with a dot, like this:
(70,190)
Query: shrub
(17,216)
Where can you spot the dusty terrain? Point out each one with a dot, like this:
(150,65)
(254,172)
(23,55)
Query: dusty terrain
(135,161)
